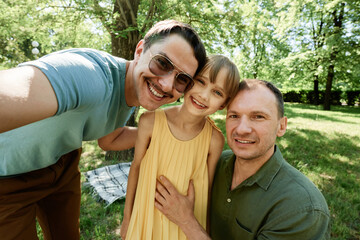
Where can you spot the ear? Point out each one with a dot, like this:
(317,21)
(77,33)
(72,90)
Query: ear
(139,49)
(282,127)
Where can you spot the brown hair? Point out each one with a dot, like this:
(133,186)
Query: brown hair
(163,29)
(248,84)
(214,64)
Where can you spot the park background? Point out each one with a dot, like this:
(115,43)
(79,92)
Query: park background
(310,49)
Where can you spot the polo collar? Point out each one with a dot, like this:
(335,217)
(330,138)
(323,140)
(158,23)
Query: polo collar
(265,175)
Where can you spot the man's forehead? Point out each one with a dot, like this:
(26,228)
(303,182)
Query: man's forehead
(255,99)
(179,51)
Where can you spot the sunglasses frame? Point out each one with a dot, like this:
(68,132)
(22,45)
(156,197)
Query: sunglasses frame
(174,68)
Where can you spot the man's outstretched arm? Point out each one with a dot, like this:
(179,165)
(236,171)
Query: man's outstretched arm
(26,96)
(179,208)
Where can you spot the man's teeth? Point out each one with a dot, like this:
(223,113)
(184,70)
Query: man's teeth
(155,92)
(198,103)
(241,141)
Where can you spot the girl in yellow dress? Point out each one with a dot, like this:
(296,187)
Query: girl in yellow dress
(182,143)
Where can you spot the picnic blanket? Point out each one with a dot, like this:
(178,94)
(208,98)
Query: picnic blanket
(108,183)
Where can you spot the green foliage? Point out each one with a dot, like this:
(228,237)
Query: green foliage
(313,38)
(286,42)
(15,30)
(54,24)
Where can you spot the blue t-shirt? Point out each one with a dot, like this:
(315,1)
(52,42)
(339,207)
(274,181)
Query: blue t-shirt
(90,89)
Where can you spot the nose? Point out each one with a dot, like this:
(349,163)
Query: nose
(167,82)
(205,93)
(243,126)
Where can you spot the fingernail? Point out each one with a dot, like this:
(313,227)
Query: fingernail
(161,177)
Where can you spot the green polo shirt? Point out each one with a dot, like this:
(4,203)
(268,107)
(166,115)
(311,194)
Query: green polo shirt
(277,202)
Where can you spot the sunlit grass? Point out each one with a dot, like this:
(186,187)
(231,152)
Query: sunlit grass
(324,145)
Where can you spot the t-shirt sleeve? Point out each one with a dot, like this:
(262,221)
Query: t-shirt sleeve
(80,79)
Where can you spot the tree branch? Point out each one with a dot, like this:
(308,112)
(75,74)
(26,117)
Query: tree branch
(133,18)
(99,9)
(123,14)
(148,16)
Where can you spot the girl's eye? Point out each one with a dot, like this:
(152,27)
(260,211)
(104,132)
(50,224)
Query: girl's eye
(218,93)
(202,82)
(232,116)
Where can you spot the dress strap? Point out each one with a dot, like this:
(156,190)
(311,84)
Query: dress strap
(213,124)
(159,121)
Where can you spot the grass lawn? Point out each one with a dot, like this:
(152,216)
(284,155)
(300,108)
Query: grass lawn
(324,145)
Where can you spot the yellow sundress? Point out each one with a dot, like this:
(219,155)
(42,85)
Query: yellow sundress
(179,161)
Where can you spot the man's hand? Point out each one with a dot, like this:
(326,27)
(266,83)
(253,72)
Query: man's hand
(179,208)
(123,229)
(175,206)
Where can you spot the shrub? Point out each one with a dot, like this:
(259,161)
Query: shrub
(292,96)
(336,97)
(308,96)
(352,96)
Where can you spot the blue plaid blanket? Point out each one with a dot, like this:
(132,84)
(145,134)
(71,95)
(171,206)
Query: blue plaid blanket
(109,183)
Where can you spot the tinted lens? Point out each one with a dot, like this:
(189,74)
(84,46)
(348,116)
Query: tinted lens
(183,83)
(160,66)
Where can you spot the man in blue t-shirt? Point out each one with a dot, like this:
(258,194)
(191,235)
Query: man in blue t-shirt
(49,106)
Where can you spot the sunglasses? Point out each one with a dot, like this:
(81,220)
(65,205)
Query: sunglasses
(160,65)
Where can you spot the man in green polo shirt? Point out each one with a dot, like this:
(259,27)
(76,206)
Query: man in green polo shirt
(256,193)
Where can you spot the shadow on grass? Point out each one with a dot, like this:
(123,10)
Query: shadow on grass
(333,164)
(342,109)
(293,112)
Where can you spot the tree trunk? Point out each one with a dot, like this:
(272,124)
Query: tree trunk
(334,51)
(316,90)
(329,80)
(125,34)
(318,37)
(124,38)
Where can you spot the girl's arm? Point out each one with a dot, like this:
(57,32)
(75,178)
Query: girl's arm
(215,150)
(216,146)
(146,123)
(118,140)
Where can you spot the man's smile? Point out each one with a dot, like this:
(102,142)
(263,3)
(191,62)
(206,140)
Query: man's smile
(154,91)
